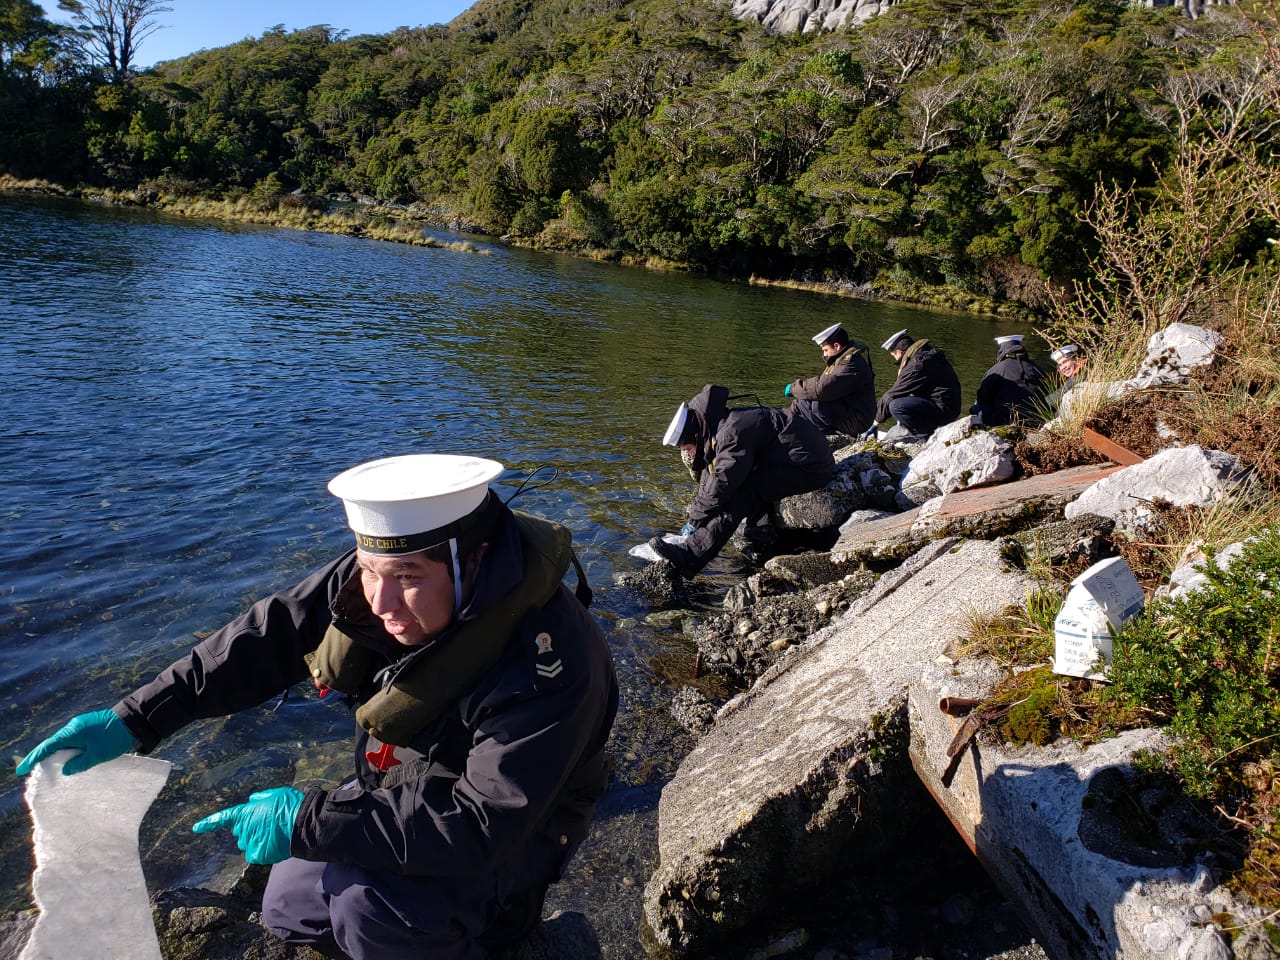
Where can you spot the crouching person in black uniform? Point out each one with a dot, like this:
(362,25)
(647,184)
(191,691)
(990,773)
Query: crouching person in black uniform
(483,692)
(842,398)
(1012,387)
(745,460)
(926,393)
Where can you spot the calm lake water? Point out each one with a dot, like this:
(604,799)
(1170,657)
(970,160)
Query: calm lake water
(176,394)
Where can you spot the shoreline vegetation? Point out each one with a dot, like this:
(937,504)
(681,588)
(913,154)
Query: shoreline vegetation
(940,154)
(396,223)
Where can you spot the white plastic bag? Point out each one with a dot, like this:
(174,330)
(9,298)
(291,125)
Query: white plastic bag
(645,552)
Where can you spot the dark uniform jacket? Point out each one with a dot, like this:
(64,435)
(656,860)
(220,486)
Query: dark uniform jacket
(1012,386)
(924,371)
(505,772)
(735,443)
(843,397)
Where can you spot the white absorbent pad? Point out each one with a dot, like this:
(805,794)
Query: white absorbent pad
(645,552)
(88,883)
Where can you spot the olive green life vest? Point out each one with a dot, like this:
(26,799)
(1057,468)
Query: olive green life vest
(437,675)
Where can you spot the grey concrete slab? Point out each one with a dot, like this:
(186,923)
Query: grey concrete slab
(798,771)
(1036,817)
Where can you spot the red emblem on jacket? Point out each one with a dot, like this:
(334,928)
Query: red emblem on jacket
(382,759)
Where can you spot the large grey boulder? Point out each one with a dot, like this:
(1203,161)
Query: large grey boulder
(958,457)
(1182,476)
(807,768)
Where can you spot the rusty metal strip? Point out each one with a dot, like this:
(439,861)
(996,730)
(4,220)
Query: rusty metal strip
(1110,449)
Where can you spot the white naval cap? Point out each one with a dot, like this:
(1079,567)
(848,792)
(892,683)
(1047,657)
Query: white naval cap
(888,344)
(1063,352)
(826,334)
(672,437)
(1011,338)
(405,504)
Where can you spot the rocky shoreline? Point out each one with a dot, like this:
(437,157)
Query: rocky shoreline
(821,814)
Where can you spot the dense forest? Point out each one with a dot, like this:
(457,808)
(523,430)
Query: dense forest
(942,142)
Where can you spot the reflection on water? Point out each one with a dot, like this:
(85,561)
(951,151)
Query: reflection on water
(178,394)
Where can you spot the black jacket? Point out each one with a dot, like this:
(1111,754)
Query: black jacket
(842,398)
(518,759)
(1013,386)
(734,443)
(924,371)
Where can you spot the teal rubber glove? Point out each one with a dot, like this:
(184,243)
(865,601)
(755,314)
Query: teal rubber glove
(786,391)
(687,529)
(99,736)
(263,824)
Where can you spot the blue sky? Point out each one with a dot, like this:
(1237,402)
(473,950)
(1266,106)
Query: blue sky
(203,24)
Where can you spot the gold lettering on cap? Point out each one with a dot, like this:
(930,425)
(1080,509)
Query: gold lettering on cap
(381,543)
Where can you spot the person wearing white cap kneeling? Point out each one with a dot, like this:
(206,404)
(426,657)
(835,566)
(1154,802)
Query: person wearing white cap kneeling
(483,693)
(926,393)
(744,459)
(842,398)
(1012,387)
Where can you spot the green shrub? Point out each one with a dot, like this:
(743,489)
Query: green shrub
(1209,664)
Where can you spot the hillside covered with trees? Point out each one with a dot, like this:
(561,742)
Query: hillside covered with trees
(942,142)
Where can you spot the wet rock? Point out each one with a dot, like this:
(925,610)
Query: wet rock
(692,710)
(747,640)
(807,570)
(194,924)
(659,584)
(755,588)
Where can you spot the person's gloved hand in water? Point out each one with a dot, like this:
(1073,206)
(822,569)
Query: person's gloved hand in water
(99,736)
(263,824)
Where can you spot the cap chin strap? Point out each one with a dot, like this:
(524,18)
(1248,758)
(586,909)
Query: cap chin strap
(457,575)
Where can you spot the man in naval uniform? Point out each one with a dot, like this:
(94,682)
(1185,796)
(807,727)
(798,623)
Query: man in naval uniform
(745,460)
(842,398)
(925,394)
(483,693)
(1012,387)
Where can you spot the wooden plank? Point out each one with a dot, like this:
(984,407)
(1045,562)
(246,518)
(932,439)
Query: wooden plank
(1110,449)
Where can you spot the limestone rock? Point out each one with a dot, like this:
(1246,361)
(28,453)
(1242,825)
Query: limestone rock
(958,457)
(1189,576)
(1182,476)
(1174,352)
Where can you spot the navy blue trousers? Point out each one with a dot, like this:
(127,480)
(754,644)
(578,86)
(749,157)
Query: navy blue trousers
(751,503)
(916,415)
(345,911)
